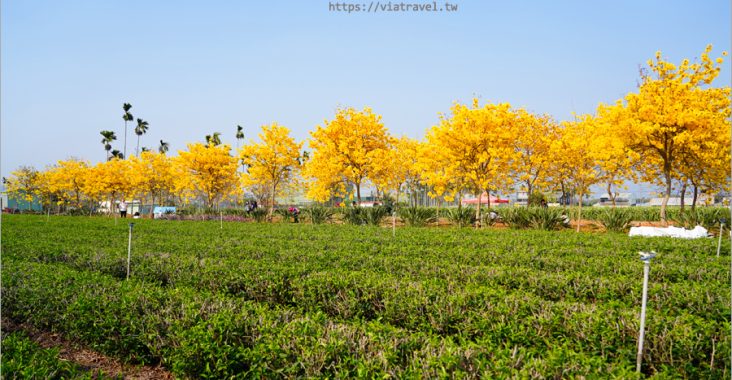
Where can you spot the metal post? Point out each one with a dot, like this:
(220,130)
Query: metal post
(393,223)
(129,251)
(646,258)
(719,243)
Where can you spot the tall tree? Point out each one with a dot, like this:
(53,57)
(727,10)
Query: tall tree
(273,163)
(213,140)
(107,138)
(206,171)
(140,130)
(673,111)
(396,166)
(239,135)
(127,116)
(116,154)
(576,154)
(476,146)
(342,153)
(23,184)
(532,138)
(164,147)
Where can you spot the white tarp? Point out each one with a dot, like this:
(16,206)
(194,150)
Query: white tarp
(676,232)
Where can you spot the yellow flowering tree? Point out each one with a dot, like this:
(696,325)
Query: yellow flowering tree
(575,155)
(473,149)
(112,180)
(23,184)
(396,166)
(153,174)
(532,137)
(67,180)
(206,171)
(675,114)
(343,153)
(273,163)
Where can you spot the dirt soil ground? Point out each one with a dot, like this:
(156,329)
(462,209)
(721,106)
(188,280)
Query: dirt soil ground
(92,361)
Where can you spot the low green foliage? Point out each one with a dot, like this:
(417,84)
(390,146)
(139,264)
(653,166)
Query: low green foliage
(461,216)
(319,214)
(544,218)
(515,217)
(417,216)
(23,358)
(341,301)
(615,219)
(259,214)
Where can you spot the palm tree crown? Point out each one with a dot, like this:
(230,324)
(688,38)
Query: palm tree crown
(214,139)
(140,130)
(107,138)
(164,146)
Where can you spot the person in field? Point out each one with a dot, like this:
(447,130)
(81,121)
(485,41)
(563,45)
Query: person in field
(122,209)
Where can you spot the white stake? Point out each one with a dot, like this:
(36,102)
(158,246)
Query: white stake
(646,258)
(221,213)
(393,223)
(719,243)
(129,251)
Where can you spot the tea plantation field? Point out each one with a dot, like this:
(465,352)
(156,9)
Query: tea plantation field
(340,301)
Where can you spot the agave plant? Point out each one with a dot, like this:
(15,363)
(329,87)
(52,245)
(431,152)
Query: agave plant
(461,216)
(417,216)
(615,219)
(319,214)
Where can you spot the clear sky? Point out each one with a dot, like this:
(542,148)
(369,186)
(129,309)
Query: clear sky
(191,68)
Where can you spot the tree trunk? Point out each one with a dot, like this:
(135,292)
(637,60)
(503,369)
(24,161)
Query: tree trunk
(272,203)
(579,213)
(666,196)
(125,148)
(693,202)
(488,194)
(477,209)
(683,196)
(529,189)
(396,204)
(358,193)
(610,192)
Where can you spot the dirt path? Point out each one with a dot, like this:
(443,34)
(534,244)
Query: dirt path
(90,360)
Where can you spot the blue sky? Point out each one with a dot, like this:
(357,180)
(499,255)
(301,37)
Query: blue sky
(191,68)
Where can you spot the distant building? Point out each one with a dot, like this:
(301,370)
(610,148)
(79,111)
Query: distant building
(621,200)
(12,202)
(701,200)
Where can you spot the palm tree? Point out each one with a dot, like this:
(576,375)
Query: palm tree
(213,140)
(164,146)
(107,138)
(116,154)
(127,117)
(140,130)
(145,149)
(239,135)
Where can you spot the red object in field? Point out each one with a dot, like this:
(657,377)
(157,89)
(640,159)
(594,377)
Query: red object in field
(484,200)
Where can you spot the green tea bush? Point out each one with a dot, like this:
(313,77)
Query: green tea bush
(23,358)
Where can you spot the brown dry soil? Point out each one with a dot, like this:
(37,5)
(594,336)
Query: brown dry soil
(92,361)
